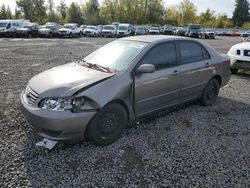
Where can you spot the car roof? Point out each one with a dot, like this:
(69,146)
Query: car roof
(154,38)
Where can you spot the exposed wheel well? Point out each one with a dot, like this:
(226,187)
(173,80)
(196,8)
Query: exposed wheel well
(122,103)
(217,77)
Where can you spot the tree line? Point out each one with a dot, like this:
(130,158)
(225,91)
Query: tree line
(134,12)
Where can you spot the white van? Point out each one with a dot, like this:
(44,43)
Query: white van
(8,27)
(125,30)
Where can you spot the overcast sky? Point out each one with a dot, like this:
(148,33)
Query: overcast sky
(220,6)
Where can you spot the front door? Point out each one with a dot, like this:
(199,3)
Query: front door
(160,89)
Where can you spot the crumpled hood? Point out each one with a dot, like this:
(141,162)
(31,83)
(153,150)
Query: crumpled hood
(65,80)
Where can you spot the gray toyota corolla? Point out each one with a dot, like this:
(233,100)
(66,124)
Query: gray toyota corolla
(96,97)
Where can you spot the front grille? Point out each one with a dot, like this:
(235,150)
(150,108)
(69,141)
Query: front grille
(63,31)
(30,95)
(247,53)
(121,33)
(88,32)
(211,34)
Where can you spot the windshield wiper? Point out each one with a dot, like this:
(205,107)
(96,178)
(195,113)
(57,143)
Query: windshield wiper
(95,66)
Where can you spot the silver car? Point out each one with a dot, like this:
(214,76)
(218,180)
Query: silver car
(96,97)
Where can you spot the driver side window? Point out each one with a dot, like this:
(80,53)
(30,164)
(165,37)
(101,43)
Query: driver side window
(161,56)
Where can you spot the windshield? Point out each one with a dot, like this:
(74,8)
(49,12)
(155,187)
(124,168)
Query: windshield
(154,28)
(49,27)
(3,25)
(90,27)
(116,55)
(122,28)
(108,27)
(68,26)
(140,28)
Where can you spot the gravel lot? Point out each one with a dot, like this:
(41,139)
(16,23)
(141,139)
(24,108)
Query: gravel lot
(192,146)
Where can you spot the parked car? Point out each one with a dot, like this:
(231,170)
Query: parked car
(181,32)
(30,30)
(91,31)
(154,30)
(240,56)
(141,30)
(70,30)
(168,30)
(233,34)
(193,30)
(108,31)
(50,29)
(125,29)
(245,34)
(120,82)
(207,34)
(8,27)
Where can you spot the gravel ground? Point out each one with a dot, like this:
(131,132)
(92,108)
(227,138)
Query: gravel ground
(192,146)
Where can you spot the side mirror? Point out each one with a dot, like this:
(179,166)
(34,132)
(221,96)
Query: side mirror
(145,68)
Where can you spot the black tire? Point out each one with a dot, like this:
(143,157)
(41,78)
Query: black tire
(107,125)
(210,93)
(70,35)
(50,35)
(29,35)
(234,71)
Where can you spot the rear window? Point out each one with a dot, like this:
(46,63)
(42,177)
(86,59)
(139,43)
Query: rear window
(191,52)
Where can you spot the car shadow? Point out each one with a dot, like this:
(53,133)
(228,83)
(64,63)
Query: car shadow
(80,159)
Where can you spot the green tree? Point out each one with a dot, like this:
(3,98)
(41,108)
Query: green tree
(8,13)
(25,6)
(74,14)
(136,11)
(3,14)
(188,12)
(33,10)
(62,9)
(52,15)
(91,11)
(172,15)
(207,18)
(17,14)
(241,12)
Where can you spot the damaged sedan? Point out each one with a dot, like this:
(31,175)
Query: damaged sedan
(96,97)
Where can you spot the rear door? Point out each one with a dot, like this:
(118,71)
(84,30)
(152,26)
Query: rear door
(195,69)
(160,89)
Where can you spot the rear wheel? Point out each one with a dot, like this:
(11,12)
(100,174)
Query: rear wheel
(107,125)
(70,35)
(234,71)
(210,93)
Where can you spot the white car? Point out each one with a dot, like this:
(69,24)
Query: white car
(91,31)
(240,56)
(154,30)
(70,30)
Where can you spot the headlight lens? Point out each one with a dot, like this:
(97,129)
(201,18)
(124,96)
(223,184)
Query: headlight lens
(63,104)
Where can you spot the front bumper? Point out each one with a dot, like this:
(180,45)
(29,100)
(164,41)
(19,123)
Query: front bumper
(240,62)
(56,125)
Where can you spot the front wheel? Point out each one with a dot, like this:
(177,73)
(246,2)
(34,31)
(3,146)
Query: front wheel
(210,93)
(234,71)
(107,125)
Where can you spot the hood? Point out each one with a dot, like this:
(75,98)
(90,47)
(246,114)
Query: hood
(92,30)
(65,80)
(64,29)
(22,29)
(243,45)
(45,30)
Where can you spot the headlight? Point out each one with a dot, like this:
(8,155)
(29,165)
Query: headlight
(63,104)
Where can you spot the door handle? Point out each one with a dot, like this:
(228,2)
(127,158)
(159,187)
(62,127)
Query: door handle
(207,64)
